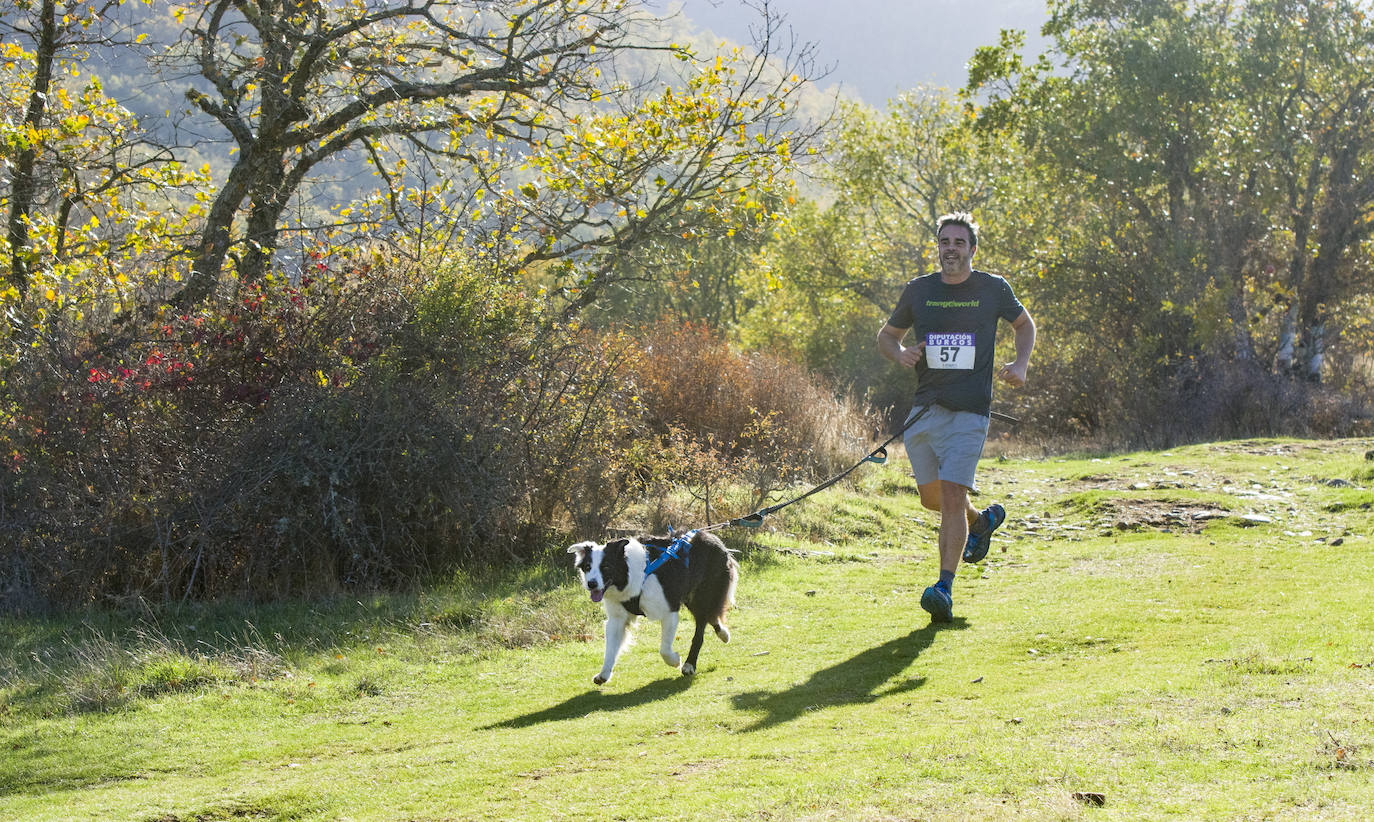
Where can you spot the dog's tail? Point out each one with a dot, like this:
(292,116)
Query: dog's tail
(732,568)
(719,571)
(726,597)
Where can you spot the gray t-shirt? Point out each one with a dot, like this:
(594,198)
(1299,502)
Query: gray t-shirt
(959,325)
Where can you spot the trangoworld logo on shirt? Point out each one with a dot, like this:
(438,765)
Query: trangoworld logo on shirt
(951,303)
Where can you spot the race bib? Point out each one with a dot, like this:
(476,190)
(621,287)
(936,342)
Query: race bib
(950,351)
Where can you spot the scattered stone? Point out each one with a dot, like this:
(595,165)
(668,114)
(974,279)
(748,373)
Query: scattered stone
(1340,483)
(1255,519)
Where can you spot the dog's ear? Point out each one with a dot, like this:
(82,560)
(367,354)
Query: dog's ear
(581,548)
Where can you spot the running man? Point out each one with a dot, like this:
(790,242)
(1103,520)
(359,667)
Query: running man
(952,317)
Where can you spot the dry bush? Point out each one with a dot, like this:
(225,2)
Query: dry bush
(1084,402)
(579,421)
(747,403)
(723,417)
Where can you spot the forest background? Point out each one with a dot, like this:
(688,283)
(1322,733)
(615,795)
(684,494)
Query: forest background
(391,288)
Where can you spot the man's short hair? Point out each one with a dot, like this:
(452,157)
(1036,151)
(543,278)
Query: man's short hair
(962,218)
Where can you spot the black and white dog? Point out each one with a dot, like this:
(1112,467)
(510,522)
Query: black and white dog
(701,576)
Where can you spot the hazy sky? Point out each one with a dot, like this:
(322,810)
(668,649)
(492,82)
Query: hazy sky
(877,48)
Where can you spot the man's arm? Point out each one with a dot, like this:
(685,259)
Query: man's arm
(890,344)
(1014,373)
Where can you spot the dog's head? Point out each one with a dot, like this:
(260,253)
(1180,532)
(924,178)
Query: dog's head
(601,567)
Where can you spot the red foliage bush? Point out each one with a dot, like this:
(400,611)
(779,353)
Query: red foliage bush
(365,430)
(120,439)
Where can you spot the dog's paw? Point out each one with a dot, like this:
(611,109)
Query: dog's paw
(673,658)
(689,669)
(601,680)
(723,633)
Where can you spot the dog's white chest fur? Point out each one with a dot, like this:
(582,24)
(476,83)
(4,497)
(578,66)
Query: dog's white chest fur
(641,592)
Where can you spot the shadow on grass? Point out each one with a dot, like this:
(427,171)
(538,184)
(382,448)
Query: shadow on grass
(593,701)
(35,764)
(858,680)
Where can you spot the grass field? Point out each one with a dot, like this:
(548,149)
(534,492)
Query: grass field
(1185,634)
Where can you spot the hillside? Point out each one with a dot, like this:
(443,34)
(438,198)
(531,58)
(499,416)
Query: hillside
(1180,634)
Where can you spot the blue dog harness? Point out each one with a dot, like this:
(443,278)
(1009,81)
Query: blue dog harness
(677,549)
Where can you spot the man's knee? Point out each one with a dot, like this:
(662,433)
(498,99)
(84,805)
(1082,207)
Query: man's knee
(954,495)
(931,494)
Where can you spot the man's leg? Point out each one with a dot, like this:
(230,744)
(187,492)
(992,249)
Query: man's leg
(932,498)
(951,500)
(956,516)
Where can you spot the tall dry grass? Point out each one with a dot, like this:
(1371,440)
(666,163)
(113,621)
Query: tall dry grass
(729,421)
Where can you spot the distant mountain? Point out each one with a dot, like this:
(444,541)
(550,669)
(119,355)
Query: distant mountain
(877,48)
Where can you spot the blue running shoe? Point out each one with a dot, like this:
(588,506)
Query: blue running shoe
(977,546)
(938,603)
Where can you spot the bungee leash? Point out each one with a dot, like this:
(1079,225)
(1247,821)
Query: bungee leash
(680,546)
(877,456)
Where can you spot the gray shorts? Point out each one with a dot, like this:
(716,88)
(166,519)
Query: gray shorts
(946,445)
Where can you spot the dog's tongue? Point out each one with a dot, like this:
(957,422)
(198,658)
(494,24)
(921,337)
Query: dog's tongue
(597,595)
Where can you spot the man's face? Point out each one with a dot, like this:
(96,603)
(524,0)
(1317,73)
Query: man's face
(956,249)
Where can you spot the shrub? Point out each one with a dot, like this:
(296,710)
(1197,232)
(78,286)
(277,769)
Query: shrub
(1146,404)
(369,428)
(363,429)
(120,435)
(722,417)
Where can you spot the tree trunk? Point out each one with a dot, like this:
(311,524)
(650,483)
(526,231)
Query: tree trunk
(264,212)
(207,259)
(1242,339)
(1288,338)
(1314,352)
(23,182)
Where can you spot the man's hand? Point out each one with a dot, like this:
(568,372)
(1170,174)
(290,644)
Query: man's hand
(1014,374)
(909,356)
(890,344)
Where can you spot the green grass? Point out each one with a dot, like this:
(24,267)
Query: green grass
(1185,634)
